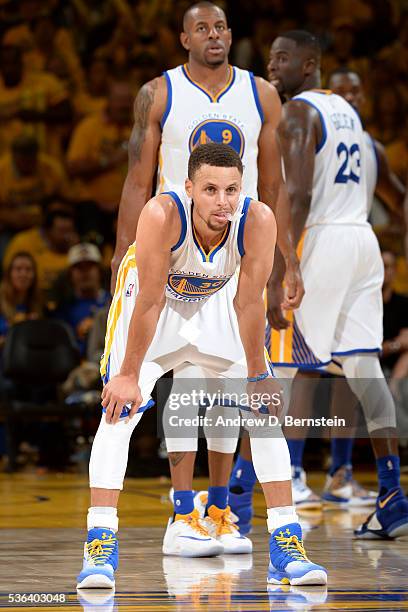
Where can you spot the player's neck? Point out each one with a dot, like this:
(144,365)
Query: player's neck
(212,78)
(311,82)
(207,237)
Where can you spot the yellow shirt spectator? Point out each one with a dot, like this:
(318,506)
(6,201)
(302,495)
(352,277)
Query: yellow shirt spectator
(97,154)
(27,179)
(48,245)
(24,95)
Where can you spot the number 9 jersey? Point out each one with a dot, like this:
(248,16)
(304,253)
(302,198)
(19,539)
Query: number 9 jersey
(339,180)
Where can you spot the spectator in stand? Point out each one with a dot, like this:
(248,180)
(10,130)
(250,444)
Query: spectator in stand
(35,99)
(97,155)
(93,99)
(397,151)
(88,294)
(28,178)
(48,244)
(19,294)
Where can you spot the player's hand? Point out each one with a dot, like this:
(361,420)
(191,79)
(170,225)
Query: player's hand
(267,394)
(294,288)
(118,392)
(274,312)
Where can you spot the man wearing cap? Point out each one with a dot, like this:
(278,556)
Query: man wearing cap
(87,292)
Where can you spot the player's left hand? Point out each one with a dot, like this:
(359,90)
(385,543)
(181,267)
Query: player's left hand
(294,288)
(118,392)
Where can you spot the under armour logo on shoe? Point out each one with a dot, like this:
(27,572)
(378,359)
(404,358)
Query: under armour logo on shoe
(238,473)
(390,465)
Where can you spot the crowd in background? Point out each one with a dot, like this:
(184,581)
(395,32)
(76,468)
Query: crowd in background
(69,72)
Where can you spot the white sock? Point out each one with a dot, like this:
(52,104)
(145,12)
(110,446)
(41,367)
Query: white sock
(103,517)
(281,516)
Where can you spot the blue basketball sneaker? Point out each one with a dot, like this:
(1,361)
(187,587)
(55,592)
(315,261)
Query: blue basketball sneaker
(241,506)
(390,519)
(288,561)
(101,556)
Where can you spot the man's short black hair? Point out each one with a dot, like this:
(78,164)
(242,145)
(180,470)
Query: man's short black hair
(343,70)
(304,39)
(213,154)
(198,5)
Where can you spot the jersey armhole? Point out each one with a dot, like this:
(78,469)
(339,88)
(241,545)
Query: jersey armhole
(256,96)
(169,100)
(241,227)
(323,139)
(183,218)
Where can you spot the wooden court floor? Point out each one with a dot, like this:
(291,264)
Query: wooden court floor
(42,530)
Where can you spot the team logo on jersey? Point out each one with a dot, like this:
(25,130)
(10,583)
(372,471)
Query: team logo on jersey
(129,289)
(189,286)
(217,130)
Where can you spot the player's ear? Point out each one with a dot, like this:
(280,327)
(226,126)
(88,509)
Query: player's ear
(185,40)
(309,66)
(188,185)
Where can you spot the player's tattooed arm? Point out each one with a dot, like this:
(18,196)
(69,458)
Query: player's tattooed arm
(144,146)
(142,109)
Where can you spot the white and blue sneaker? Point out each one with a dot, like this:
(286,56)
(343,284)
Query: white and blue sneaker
(101,556)
(221,526)
(187,536)
(288,561)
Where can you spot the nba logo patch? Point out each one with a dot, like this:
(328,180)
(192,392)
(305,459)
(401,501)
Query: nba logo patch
(129,290)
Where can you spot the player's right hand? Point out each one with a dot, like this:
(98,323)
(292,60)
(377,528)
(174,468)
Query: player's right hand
(115,263)
(274,311)
(117,393)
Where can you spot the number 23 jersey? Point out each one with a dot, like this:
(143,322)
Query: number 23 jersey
(339,193)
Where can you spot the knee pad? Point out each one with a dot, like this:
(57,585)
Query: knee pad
(109,455)
(366,380)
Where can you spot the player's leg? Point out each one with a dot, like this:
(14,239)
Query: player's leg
(221,445)
(364,374)
(288,560)
(341,489)
(185,529)
(358,340)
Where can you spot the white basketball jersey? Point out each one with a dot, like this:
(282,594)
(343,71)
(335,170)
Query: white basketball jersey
(194,116)
(195,275)
(371,165)
(339,181)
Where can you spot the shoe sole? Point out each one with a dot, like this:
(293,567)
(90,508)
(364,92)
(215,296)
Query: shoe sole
(398,531)
(314,577)
(213,552)
(244,549)
(96,581)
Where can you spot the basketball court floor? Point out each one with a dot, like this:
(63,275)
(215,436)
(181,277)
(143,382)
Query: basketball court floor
(41,540)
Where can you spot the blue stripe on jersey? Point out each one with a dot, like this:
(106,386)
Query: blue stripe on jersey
(256,96)
(183,218)
(357,350)
(377,159)
(241,227)
(169,100)
(105,377)
(322,122)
